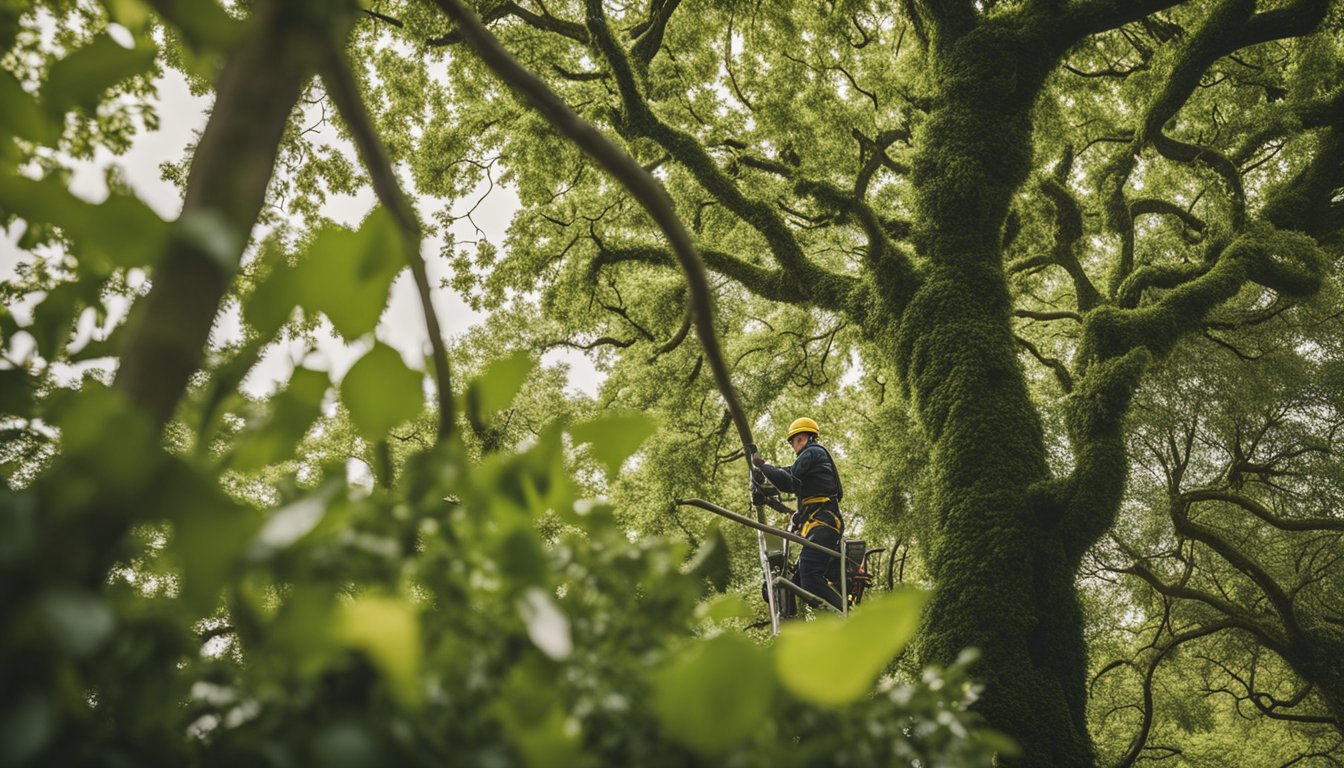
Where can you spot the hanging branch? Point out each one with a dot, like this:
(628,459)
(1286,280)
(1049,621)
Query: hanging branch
(343,90)
(626,170)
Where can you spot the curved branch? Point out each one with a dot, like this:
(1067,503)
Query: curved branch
(1069,229)
(626,170)
(543,21)
(677,337)
(1232,614)
(651,37)
(343,90)
(1141,738)
(1262,512)
(1282,602)
(1090,18)
(1060,370)
(1152,205)
(638,120)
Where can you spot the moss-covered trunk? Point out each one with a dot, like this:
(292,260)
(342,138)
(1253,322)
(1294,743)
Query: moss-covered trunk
(1005,584)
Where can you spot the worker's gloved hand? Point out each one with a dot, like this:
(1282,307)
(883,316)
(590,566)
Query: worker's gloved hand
(757,477)
(757,460)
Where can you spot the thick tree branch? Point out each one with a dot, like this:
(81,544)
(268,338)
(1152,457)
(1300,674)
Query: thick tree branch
(543,21)
(1068,231)
(1233,615)
(1263,512)
(1278,597)
(1288,263)
(807,279)
(1057,367)
(650,39)
(230,170)
(1094,16)
(625,169)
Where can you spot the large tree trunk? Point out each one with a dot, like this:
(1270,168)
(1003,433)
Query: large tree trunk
(1005,584)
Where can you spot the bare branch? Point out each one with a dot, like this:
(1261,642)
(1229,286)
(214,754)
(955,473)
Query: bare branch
(625,169)
(344,91)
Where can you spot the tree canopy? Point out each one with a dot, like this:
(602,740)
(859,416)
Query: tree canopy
(1059,280)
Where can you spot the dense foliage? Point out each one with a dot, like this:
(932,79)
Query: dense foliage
(1058,279)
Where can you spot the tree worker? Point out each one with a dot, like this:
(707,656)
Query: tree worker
(813,479)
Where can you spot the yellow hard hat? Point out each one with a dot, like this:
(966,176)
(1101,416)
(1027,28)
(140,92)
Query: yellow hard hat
(803,425)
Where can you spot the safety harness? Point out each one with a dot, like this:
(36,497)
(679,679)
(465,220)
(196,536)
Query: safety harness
(811,507)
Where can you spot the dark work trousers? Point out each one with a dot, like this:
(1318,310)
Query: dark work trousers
(814,567)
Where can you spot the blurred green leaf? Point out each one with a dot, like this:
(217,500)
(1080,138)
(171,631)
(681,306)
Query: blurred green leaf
(388,631)
(272,303)
(381,392)
(210,532)
(290,415)
(203,23)
(290,523)
(714,694)
(121,231)
(210,232)
(535,718)
(54,320)
(833,661)
(18,526)
(98,348)
(712,562)
(22,115)
(116,447)
(547,625)
(16,393)
(614,436)
(78,622)
(79,79)
(131,14)
(725,607)
(497,386)
(347,744)
(346,275)
(27,724)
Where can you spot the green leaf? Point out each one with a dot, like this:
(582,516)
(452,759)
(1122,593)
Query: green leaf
(79,622)
(497,386)
(614,436)
(119,232)
(715,694)
(291,413)
(725,607)
(388,631)
(272,302)
(131,14)
(845,656)
(712,562)
(210,533)
(22,115)
(204,24)
(210,232)
(54,320)
(291,523)
(346,275)
(79,79)
(16,393)
(381,392)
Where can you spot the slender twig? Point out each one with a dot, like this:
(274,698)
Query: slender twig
(343,90)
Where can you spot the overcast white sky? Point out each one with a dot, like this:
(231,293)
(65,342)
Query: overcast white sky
(402,326)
